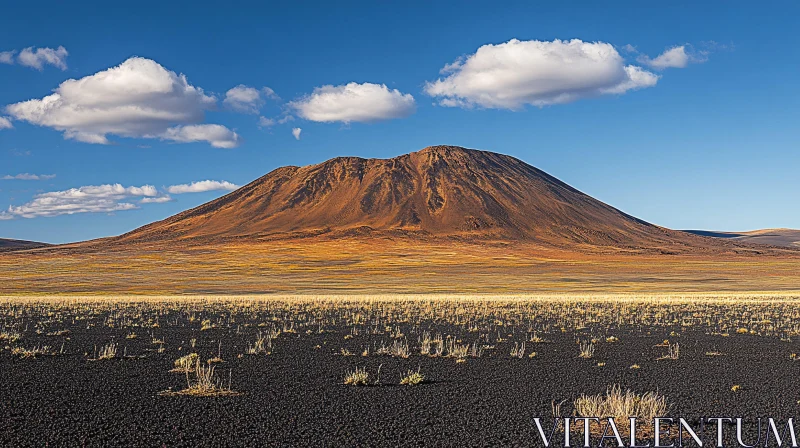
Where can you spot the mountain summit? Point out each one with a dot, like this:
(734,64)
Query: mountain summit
(439,191)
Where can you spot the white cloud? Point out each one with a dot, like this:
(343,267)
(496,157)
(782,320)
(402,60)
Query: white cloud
(217,135)
(354,102)
(7,57)
(675,57)
(539,73)
(28,176)
(296,132)
(5,123)
(39,57)
(87,199)
(139,98)
(201,186)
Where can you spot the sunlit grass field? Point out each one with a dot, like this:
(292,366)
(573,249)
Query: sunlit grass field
(357,267)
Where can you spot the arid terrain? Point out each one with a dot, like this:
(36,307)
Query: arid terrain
(445,297)
(381,370)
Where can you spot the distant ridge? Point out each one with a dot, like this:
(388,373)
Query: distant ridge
(773,237)
(439,191)
(10,245)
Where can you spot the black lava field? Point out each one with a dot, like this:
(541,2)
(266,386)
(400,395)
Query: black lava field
(103,373)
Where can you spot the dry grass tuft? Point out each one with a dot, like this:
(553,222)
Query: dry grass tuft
(357,377)
(587,350)
(205,384)
(412,378)
(185,363)
(621,406)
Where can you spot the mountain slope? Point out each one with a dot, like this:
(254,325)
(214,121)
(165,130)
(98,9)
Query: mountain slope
(440,191)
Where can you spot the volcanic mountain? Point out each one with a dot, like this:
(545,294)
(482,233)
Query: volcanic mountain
(440,191)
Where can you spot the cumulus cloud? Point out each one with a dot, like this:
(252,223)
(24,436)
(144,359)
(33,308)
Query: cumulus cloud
(248,100)
(5,123)
(296,132)
(201,186)
(28,176)
(354,102)
(39,57)
(517,73)
(139,99)
(88,199)
(675,57)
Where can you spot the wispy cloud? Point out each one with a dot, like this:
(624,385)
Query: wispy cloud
(28,176)
(296,132)
(88,199)
(156,200)
(36,58)
(201,186)
(105,198)
(675,57)
(5,123)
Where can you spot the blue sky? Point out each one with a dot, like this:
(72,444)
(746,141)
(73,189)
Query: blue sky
(705,139)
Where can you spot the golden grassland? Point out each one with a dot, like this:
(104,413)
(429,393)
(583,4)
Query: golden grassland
(370,267)
(430,302)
